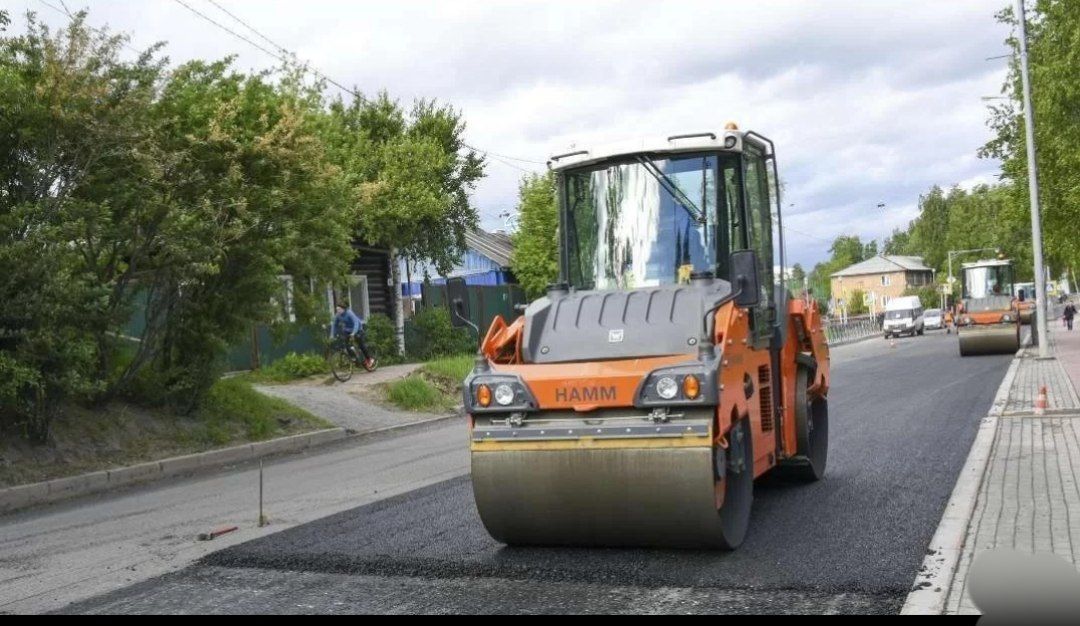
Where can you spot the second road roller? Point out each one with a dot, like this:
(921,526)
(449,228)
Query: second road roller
(988,320)
(667,368)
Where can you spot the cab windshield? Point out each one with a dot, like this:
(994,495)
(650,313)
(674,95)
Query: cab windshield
(899,315)
(988,280)
(646,222)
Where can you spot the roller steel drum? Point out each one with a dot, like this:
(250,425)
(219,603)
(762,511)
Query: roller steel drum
(997,339)
(607,491)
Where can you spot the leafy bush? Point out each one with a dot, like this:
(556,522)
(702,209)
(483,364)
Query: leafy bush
(292,366)
(382,339)
(436,337)
(416,394)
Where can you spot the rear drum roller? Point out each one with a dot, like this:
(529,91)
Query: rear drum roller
(738,486)
(811,432)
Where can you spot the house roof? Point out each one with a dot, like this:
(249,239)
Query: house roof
(883,264)
(495,246)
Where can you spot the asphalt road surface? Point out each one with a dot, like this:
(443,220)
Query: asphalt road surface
(903,419)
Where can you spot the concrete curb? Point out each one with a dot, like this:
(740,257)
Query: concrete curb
(931,588)
(22,496)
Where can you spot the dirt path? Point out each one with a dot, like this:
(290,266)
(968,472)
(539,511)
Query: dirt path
(350,405)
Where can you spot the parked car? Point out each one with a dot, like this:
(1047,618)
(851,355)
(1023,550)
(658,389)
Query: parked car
(903,316)
(933,319)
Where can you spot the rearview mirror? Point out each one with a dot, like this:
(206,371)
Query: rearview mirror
(457,298)
(744,278)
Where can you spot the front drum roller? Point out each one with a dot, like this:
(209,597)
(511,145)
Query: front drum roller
(975,340)
(638,494)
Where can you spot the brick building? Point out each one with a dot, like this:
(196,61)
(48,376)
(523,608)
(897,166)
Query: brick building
(880,278)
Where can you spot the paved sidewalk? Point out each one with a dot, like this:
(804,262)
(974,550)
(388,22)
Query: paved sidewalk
(1029,496)
(350,405)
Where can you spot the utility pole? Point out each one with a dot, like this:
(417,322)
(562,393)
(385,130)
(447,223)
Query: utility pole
(1033,187)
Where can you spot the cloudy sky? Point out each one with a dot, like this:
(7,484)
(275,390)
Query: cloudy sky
(869,102)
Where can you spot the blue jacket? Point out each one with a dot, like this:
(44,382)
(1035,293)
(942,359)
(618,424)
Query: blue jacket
(346,322)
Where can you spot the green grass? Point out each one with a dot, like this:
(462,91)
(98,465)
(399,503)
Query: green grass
(86,438)
(435,387)
(452,370)
(234,409)
(417,394)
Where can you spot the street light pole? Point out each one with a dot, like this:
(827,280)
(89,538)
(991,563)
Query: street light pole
(1033,187)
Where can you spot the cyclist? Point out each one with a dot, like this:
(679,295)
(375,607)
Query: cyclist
(352,329)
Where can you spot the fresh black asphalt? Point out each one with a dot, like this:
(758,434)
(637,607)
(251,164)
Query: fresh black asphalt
(902,420)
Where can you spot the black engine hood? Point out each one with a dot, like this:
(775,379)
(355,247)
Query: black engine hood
(602,325)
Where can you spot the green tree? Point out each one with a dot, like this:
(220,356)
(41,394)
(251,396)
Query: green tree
(897,243)
(187,192)
(74,115)
(1054,55)
(410,175)
(928,296)
(856,303)
(536,247)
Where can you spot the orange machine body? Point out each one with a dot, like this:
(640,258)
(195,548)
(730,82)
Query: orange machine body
(573,386)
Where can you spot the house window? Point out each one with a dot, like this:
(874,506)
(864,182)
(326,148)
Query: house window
(886,281)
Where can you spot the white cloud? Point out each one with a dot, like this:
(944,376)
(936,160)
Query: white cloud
(869,102)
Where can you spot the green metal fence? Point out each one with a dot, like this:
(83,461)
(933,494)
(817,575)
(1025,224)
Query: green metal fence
(485,301)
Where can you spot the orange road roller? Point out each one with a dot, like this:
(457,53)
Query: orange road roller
(667,368)
(988,319)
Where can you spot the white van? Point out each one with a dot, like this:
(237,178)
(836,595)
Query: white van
(903,316)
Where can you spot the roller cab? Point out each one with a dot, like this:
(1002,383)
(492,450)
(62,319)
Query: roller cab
(636,402)
(988,320)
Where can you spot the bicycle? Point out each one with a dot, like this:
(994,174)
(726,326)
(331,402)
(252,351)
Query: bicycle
(343,360)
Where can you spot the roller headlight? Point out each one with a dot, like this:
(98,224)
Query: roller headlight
(692,384)
(497,393)
(667,388)
(1006,318)
(504,395)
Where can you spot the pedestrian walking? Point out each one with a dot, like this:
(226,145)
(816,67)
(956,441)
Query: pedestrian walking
(1069,314)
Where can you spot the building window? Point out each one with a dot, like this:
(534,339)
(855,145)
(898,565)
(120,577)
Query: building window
(886,281)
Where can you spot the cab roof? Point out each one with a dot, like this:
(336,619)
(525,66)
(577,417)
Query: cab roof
(674,144)
(987,263)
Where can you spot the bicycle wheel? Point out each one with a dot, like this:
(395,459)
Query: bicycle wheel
(341,364)
(371,364)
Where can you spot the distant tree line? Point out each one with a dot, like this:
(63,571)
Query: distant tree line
(187,193)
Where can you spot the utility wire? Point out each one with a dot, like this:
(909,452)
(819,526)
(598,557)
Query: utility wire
(496,154)
(288,56)
(100,31)
(283,55)
(284,51)
(281,49)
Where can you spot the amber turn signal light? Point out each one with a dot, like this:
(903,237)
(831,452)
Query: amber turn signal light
(483,396)
(691,387)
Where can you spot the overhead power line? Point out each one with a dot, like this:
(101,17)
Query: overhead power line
(288,56)
(70,15)
(496,154)
(497,157)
